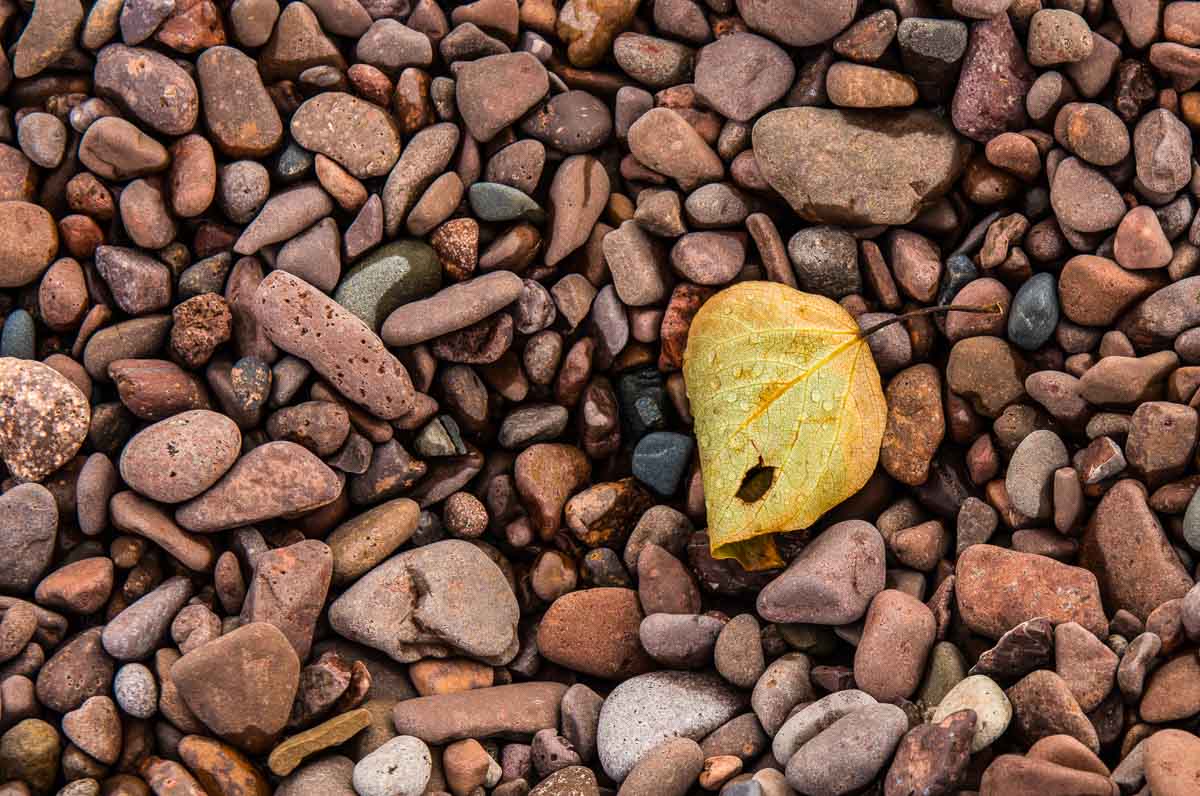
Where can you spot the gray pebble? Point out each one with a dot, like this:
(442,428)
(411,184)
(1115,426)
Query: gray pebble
(136,690)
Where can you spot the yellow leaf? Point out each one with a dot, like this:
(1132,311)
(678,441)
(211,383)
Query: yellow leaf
(789,413)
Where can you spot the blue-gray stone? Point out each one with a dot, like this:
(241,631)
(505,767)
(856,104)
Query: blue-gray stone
(492,201)
(643,397)
(660,460)
(18,338)
(1034,312)
(958,272)
(391,275)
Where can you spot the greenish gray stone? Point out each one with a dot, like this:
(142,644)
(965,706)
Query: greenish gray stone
(947,668)
(493,201)
(391,275)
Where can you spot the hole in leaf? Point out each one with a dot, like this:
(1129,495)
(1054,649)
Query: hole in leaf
(755,483)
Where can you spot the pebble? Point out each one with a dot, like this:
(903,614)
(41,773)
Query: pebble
(28,533)
(177,459)
(218,682)
(906,146)
(45,420)
(980,694)
(30,241)
(646,710)
(400,767)
(136,691)
(29,752)
(483,626)
(134,633)
(238,111)
(522,80)
(898,633)
(452,308)
(354,133)
(617,611)
(349,340)
(1152,574)
(670,769)
(518,709)
(849,753)
(391,275)
(1170,762)
(1161,150)
(1063,593)
(989,98)
(742,74)
(1043,706)
(832,581)
(664,141)
(150,86)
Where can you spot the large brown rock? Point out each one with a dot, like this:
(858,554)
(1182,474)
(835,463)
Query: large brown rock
(241,685)
(288,590)
(1127,549)
(150,86)
(358,135)
(308,324)
(989,578)
(44,418)
(857,167)
(595,631)
(276,479)
(517,709)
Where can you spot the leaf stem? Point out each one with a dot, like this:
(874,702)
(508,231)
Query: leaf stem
(991,309)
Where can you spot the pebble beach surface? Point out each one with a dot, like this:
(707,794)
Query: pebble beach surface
(346,449)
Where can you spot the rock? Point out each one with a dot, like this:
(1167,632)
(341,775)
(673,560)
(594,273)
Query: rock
(30,241)
(285,215)
(809,721)
(898,633)
(1026,647)
(136,691)
(596,632)
(852,85)
(452,308)
(95,727)
(77,670)
(738,653)
(1124,528)
(1171,762)
(742,74)
(29,752)
(220,767)
(134,633)
(377,380)
(989,97)
(359,544)
(1031,472)
(1034,312)
(1043,706)
(932,757)
(588,28)
(463,606)
(646,710)
(290,753)
(44,418)
(238,111)
(400,767)
(134,514)
(178,458)
(831,581)
(1171,693)
(785,684)
(49,36)
(1094,291)
(356,134)
(987,372)
(1087,666)
(850,752)
(28,532)
(149,86)
(663,140)
(1162,436)
(517,709)
(424,158)
(1034,775)
(288,591)
(241,685)
(330,775)
(669,769)
(898,164)
(578,195)
(1162,146)
(495,91)
(800,25)
(980,694)
(81,587)
(391,275)
(915,424)
(987,574)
